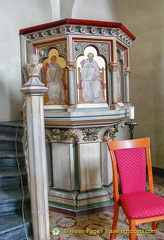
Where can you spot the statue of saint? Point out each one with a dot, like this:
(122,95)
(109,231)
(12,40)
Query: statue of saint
(55,85)
(91,81)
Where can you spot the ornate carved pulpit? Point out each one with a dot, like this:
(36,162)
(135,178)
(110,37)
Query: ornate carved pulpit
(86,70)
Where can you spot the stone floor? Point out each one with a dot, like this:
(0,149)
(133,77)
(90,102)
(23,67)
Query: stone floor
(97,226)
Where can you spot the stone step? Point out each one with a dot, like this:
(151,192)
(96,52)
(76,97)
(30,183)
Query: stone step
(11,200)
(12,226)
(11,220)
(10,178)
(8,142)
(12,128)
(8,159)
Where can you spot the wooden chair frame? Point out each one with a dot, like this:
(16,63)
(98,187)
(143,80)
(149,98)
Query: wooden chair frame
(124,144)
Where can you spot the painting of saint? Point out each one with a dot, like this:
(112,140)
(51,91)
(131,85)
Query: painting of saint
(55,85)
(91,77)
(91,81)
(54,77)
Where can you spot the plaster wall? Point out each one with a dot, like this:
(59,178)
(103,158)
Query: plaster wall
(145,19)
(95,10)
(15,15)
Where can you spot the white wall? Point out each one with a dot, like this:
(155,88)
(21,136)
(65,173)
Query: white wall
(84,9)
(15,15)
(95,10)
(145,19)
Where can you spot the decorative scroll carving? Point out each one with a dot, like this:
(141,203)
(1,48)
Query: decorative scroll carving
(62,47)
(58,135)
(103,49)
(121,35)
(79,47)
(84,135)
(110,133)
(90,134)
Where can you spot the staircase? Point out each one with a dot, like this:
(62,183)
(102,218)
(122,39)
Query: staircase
(12,224)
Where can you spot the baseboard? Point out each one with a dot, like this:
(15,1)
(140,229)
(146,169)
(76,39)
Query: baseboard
(81,213)
(158,172)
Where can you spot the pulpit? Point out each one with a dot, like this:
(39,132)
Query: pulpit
(86,71)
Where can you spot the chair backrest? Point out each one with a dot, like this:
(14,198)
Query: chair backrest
(131,157)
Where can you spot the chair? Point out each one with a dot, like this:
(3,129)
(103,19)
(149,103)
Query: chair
(129,158)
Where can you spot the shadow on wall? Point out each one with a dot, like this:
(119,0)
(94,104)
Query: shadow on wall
(16,106)
(4,97)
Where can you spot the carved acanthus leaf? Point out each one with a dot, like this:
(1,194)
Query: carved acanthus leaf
(110,133)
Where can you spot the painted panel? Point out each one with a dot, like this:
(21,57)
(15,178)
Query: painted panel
(55,78)
(91,77)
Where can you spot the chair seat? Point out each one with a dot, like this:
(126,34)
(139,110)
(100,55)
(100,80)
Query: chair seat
(142,204)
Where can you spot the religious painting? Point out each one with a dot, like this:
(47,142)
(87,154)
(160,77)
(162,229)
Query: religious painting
(91,77)
(55,78)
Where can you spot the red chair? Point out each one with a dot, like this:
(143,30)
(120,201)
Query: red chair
(129,159)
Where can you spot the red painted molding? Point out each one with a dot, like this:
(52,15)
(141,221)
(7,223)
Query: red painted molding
(77,22)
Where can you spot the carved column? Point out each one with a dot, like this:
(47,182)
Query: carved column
(113,67)
(71,75)
(71,87)
(34,91)
(127,73)
(109,84)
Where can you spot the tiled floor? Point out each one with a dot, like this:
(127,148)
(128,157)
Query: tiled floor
(98,226)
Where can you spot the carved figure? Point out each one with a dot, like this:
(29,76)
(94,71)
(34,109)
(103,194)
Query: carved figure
(55,85)
(91,81)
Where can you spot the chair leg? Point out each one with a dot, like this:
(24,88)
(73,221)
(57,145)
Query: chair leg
(154,227)
(115,220)
(132,228)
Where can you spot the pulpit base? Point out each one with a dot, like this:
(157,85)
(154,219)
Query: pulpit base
(77,203)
